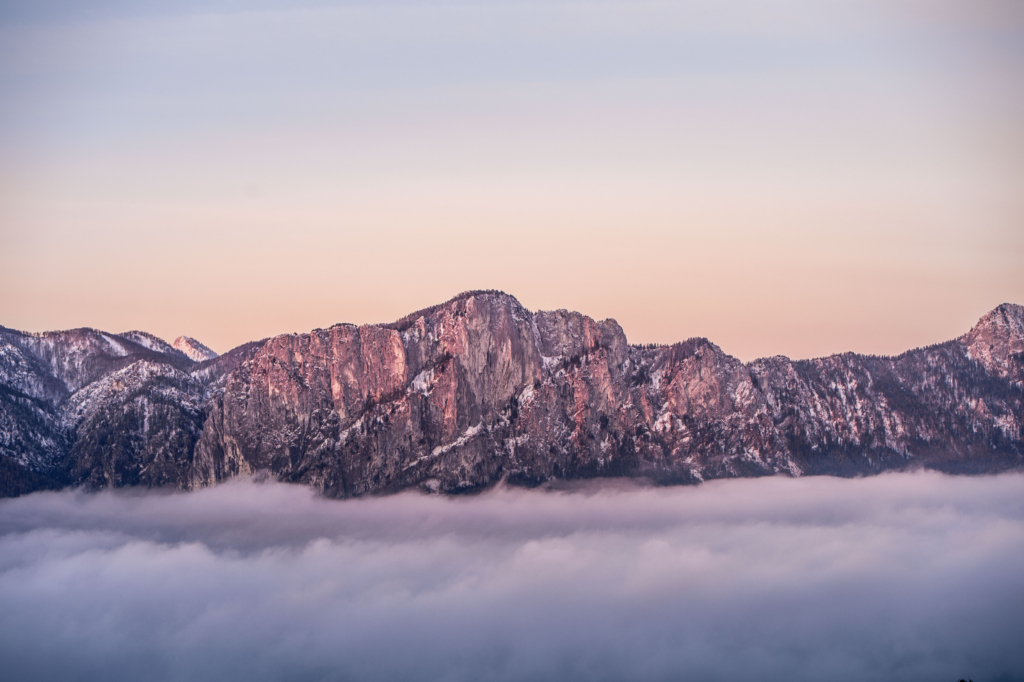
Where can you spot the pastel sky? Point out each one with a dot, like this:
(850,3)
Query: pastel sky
(800,177)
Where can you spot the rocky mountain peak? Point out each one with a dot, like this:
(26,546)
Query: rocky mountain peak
(194,350)
(997,341)
(461,305)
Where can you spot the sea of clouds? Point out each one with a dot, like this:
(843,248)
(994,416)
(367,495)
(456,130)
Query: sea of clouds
(898,577)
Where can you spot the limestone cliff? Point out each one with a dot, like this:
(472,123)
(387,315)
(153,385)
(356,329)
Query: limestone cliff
(479,389)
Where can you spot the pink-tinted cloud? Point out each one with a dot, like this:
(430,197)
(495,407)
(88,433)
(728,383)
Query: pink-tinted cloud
(901,576)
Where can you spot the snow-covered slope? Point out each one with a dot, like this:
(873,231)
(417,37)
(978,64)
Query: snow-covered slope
(84,406)
(195,351)
(152,342)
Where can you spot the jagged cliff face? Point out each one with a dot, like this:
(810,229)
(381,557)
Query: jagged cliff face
(479,389)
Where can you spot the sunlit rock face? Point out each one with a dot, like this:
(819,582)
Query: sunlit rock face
(479,389)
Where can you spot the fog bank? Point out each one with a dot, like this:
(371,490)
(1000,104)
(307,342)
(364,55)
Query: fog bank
(900,576)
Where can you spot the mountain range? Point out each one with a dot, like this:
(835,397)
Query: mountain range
(477,390)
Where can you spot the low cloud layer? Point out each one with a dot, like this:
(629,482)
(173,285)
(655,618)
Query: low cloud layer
(898,577)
